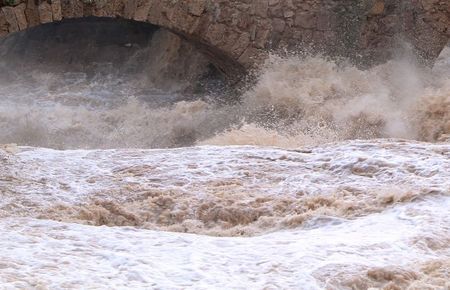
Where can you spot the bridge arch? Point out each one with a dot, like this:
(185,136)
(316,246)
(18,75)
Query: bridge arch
(181,17)
(236,34)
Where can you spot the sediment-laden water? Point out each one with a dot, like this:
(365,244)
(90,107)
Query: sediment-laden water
(142,169)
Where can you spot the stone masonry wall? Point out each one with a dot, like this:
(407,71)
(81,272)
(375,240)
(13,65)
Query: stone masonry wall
(236,34)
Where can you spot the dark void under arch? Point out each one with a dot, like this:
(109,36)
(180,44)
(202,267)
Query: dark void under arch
(238,34)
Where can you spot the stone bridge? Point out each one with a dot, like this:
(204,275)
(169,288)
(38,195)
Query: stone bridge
(236,34)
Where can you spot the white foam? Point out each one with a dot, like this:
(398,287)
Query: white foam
(57,255)
(43,253)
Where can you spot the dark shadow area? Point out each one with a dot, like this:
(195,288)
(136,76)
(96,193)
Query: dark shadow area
(106,83)
(128,51)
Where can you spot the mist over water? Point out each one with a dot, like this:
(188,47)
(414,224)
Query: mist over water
(154,90)
(82,84)
(312,100)
(324,211)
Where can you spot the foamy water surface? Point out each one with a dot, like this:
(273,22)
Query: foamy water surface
(319,175)
(375,213)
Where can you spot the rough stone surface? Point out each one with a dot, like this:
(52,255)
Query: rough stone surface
(3,24)
(10,18)
(19,12)
(236,34)
(45,12)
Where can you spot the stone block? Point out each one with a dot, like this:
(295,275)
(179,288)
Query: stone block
(278,25)
(215,33)
(31,13)
(262,35)
(377,8)
(276,11)
(196,7)
(142,10)
(241,44)
(288,13)
(305,20)
(19,11)
(72,8)
(45,12)
(56,10)
(10,17)
(260,8)
(3,24)
(130,9)
(273,2)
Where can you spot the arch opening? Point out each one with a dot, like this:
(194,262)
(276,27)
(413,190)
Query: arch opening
(98,82)
(125,48)
(85,83)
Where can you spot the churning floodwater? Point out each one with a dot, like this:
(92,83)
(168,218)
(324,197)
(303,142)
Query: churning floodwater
(128,161)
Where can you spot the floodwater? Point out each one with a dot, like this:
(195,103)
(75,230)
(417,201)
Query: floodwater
(140,168)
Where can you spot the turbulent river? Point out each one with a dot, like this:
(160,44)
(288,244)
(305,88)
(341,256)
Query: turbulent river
(130,163)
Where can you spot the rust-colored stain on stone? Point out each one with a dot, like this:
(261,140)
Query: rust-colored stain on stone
(378,8)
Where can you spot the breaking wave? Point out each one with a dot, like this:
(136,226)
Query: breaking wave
(112,89)
(295,101)
(298,101)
